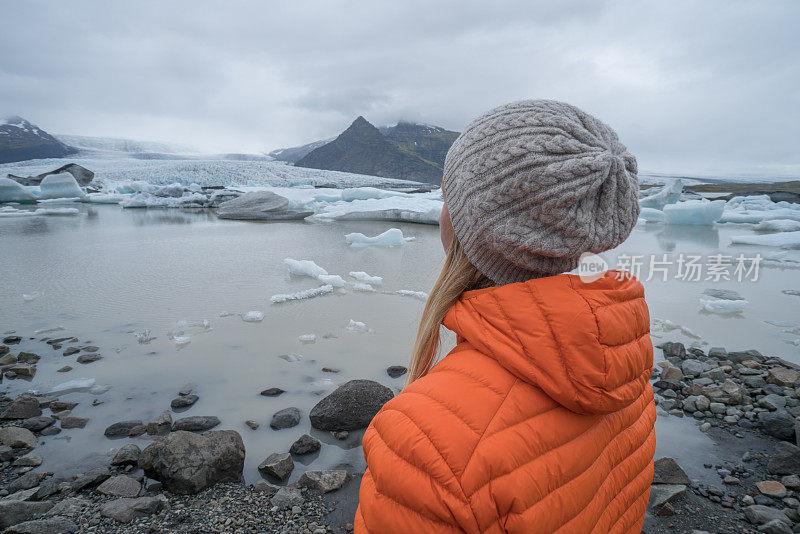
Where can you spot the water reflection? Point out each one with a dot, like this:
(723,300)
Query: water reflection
(148,217)
(701,237)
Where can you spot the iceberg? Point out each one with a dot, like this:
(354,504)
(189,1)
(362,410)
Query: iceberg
(71,386)
(30,297)
(419,295)
(723,307)
(393,237)
(302,295)
(105,198)
(333,279)
(779,239)
(307,338)
(778,225)
(181,341)
(253,317)
(8,211)
(669,194)
(146,200)
(361,276)
(651,215)
(357,326)
(694,212)
(61,185)
(365,288)
(11,191)
(304,268)
(366,193)
(413,208)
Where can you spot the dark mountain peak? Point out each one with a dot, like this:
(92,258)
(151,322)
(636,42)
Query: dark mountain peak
(361,127)
(22,140)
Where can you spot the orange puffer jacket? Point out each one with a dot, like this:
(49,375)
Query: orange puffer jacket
(540,420)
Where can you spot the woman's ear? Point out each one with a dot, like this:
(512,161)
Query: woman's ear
(446,227)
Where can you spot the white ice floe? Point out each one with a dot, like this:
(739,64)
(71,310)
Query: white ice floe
(304,268)
(48,330)
(778,225)
(146,200)
(758,208)
(226,314)
(669,194)
(71,386)
(291,358)
(365,288)
(393,237)
(105,198)
(181,341)
(333,279)
(781,324)
(780,239)
(302,295)
(196,188)
(357,326)
(49,201)
(419,295)
(61,185)
(307,338)
(253,317)
(665,325)
(99,390)
(723,307)
(725,294)
(29,297)
(651,215)
(694,212)
(8,211)
(143,336)
(361,276)
(11,191)
(413,208)
(366,193)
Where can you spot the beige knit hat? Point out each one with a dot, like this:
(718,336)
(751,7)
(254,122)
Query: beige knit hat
(534,184)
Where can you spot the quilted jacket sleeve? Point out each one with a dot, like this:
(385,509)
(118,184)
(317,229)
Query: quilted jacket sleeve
(408,486)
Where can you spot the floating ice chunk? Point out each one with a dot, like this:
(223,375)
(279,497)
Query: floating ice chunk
(304,268)
(365,288)
(307,338)
(174,190)
(413,208)
(393,237)
(143,336)
(195,188)
(723,307)
(226,314)
(135,186)
(29,297)
(725,294)
(738,215)
(291,358)
(145,200)
(419,295)
(61,185)
(783,324)
(47,330)
(105,198)
(669,194)
(71,386)
(357,326)
(333,279)
(253,317)
(322,383)
(57,211)
(99,390)
(49,201)
(778,225)
(694,212)
(651,215)
(301,295)
(365,193)
(181,341)
(780,239)
(361,276)
(792,292)
(11,191)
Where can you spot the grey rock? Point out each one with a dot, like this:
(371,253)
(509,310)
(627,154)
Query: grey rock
(74,422)
(48,487)
(196,423)
(90,479)
(351,406)
(758,514)
(278,465)
(667,471)
(51,525)
(187,463)
(126,510)
(674,350)
(286,418)
(27,481)
(778,424)
(120,486)
(664,493)
(776,526)
(184,401)
(37,424)
(272,392)
(29,460)
(14,512)
(6,453)
(89,358)
(287,497)
(786,460)
(22,495)
(772,401)
(323,481)
(127,455)
(692,367)
(160,425)
(23,407)
(71,506)
(396,371)
(305,445)
(121,429)
(12,340)
(744,355)
(60,406)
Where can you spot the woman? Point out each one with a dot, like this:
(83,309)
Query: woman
(541,418)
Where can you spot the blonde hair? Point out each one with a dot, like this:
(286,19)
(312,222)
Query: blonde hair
(457,276)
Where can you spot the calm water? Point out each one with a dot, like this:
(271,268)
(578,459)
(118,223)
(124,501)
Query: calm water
(110,272)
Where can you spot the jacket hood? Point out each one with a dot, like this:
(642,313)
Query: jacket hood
(586,345)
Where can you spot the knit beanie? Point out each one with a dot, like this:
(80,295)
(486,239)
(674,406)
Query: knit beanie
(534,184)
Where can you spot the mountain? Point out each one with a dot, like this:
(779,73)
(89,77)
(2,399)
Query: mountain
(363,149)
(428,142)
(20,140)
(294,154)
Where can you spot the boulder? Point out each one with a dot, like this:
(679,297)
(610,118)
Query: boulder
(286,418)
(121,429)
(186,463)
(772,488)
(120,486)
(196,423)
(50,525)
(23,407)
(27,481)
(305,445)
(758,514)
(351,406)
(91,479)
(74,422)
(396,371)
(18,437)
(776,526)
(88,358)
(661,494)
(126,510)
(323,481)
(778,424)
(37,424)
(14,512)
(674,350)
(272,392)
(160,425)
(278,465)
(786,460)
(782,376)
(667,471)
(184,401)
(127,455)
(287,497)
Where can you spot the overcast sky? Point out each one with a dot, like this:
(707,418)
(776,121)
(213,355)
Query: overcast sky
(690,86)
